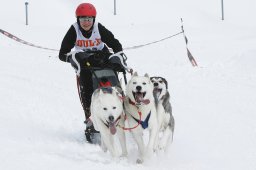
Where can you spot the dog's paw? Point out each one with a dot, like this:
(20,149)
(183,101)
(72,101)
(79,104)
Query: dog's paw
(149,153)
(139,161)
(114,154)
(161,146)
(103,147)
(124,154)
(155,150)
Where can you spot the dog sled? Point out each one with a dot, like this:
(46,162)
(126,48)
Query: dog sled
(104,66)
(105,69)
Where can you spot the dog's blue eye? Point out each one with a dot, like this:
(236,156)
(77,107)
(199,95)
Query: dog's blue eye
(114,107)
(105,108)
(144,83)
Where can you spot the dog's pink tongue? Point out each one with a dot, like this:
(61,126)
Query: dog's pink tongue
(139,97)
(146,101)
(155,90)
(112,128)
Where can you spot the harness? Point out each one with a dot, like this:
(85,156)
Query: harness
(144,124)
(107,89)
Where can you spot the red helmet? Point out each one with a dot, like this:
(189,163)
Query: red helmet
(86,9)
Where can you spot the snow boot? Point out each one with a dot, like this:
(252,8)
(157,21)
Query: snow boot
(92,135)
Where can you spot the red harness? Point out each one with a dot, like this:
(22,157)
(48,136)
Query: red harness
(124,128)
(139,121)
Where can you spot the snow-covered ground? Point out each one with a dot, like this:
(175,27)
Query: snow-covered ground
(41,119)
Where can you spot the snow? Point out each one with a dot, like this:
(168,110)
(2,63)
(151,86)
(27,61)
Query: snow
(41,119)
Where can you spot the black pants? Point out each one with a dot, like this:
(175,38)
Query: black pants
(86,90)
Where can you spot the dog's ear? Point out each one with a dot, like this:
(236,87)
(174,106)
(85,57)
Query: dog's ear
(135,74)
(165,81)
(101,92)
(146,75)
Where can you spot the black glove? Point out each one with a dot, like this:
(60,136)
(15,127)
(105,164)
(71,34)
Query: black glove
(98,58)
(118,61)
(77,60)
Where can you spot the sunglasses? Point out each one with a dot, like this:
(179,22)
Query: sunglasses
(84,19)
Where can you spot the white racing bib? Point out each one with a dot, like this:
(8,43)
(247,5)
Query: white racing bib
(93,43)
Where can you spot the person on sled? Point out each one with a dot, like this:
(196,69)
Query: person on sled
(87,35)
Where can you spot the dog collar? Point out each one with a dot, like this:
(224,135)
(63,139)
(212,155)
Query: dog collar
(131,102)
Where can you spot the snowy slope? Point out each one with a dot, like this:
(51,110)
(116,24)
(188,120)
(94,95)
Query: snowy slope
(41,119)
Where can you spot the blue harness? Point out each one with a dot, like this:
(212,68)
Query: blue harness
(144,123)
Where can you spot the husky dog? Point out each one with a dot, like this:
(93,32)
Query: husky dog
(164,111)
(141,113)
(107,115)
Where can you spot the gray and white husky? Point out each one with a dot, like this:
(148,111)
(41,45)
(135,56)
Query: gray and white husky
(164,112)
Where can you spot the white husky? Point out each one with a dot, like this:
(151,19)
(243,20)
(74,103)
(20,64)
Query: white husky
(141,113)
(106,115)
(164,111)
